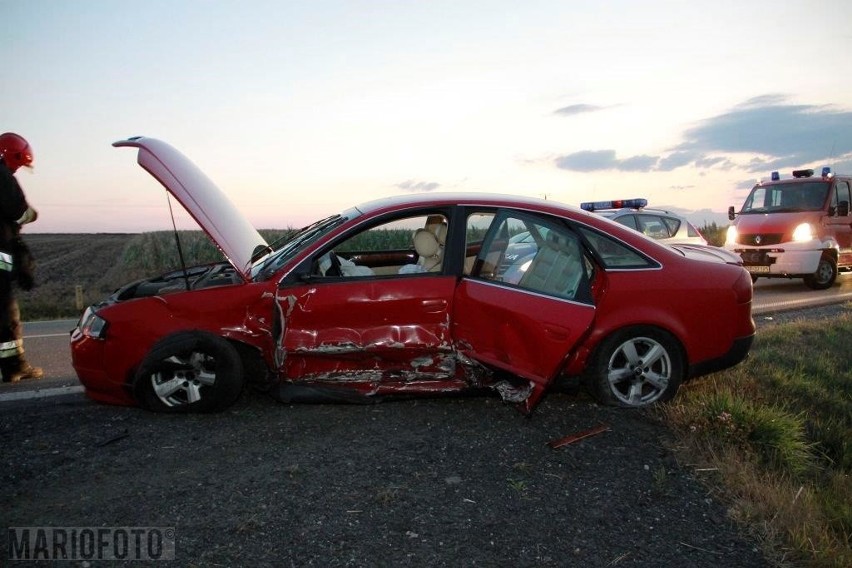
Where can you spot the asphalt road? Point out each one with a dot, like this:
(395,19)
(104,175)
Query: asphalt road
(442,482)
(779,294)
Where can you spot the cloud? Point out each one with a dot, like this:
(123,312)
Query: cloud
(572,110)
(762,134)
(596,160)
(675,160)
(789,135)
(587,161)
(745,184)
(418,186)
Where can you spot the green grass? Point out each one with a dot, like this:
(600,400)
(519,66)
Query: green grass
(777,428)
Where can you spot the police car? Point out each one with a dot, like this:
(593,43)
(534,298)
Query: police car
(663,226)
(658,224)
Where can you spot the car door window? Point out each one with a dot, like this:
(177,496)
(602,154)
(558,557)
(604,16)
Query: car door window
(399,246)
(549,258)
(653,226)
(476,227)
(628,221)
(671,224)
(841,194)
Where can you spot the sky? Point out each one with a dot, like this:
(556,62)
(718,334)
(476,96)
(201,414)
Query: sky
(300,109)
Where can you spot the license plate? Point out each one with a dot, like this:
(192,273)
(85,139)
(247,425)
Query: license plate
(754,257)
(758,269)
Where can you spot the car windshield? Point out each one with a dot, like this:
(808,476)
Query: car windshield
(786,197)
(279,253)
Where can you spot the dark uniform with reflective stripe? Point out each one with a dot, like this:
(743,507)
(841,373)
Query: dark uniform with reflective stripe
(13,205)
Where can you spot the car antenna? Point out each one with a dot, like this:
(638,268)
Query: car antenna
(177,240)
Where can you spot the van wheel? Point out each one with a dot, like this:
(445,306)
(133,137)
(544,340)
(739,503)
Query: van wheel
(825,275)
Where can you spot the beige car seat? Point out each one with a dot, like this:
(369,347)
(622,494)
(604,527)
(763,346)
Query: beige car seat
(430,250)
(556,269)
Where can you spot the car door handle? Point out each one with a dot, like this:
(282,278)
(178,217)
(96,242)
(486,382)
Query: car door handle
(434,306)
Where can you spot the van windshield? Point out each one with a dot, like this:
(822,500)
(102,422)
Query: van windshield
(787,197)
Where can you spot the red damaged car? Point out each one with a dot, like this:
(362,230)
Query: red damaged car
(344,310)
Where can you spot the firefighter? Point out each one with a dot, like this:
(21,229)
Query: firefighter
(15,260)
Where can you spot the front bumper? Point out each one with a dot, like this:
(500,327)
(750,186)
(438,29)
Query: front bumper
(779,260)
(88,360)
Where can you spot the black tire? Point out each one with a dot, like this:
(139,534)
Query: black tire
(620,373)
(825,275)
(190,371)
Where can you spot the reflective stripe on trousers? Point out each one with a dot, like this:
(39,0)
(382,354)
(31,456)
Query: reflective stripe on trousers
(11,348)
(6,261)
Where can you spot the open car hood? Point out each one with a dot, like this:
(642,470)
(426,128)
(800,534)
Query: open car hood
(212,210)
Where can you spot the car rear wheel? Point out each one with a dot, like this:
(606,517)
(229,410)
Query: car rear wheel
(636,367)
(825,275)
(190,372)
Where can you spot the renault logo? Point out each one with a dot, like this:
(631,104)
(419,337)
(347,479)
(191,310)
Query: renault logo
(757,239)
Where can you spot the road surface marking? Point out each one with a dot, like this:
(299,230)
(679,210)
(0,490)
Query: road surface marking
(42,393)
(47,335)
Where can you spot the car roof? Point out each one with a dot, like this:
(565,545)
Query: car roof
(398,202)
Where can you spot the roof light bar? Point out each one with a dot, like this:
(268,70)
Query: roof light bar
(635,203)
(803,173)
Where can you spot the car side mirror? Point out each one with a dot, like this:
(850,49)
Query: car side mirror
(843,208)
(731,213)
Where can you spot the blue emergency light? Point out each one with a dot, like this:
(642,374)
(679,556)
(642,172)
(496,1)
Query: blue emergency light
(776,176)
(826,171)
(636,203)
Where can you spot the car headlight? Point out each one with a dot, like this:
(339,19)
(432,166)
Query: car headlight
(731,235)
(92,325)
(803,232)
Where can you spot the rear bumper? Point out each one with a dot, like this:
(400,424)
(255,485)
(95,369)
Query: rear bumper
(736,354)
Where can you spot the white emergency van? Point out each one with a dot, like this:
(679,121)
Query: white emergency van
(797,227)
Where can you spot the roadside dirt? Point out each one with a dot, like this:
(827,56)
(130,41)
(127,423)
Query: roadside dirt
(441,482)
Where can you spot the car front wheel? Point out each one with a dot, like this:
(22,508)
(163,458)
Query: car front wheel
(636,367)
(190,372)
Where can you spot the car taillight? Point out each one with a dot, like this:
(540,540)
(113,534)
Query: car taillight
(743,288)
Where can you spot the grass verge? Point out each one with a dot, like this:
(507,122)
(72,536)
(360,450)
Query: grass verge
(772,436)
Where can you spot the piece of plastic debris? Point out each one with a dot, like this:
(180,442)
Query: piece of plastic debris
(570,439)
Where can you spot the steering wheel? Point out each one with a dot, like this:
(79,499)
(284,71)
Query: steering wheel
(334,269)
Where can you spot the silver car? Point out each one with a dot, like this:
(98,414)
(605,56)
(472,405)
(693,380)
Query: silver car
(664,226)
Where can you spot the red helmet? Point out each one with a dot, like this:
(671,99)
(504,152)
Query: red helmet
(15,151)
